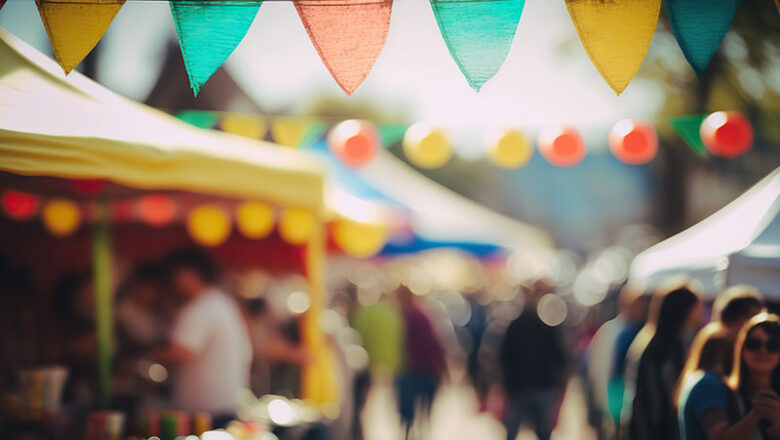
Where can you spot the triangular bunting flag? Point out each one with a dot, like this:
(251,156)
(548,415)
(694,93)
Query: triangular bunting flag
(391,134)
(348,35)
(296,132)
(75,26)
(2,3)
(199,118)
(616,35)
(478,34)
(699,26)
(251,126)
(688,127)
(208,32)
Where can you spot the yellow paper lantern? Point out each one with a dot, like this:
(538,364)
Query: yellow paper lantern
(426,147)
(208,225)
(296,226)
(255,219)
(360,240)
(61,217)
(509,148)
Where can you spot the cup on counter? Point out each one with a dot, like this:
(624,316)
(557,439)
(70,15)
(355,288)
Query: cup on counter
(54,379)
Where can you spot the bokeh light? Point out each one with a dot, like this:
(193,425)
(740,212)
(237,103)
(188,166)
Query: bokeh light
(298,302)
(509,148)
(354,142)
(727,134)
(427,147)
(254,220)
(552,309)
(209,225)
(156,209)
(633,142)
(561,146)
(61,217)
(19,205)
(296,226)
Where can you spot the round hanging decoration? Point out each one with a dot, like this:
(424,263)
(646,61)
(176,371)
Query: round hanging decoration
(156,209)
(361,240)
(255,219)
(426,147)
(61,217)
(509,148)
(209,225)
(296,226)
(633,142)
(88,187)
(19,206)
(728,134)
(353,142)
(561,146)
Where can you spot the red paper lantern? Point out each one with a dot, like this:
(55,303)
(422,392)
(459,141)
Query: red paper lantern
(20,206)
(88,186)
(353,142)
(633,142)
(156,210)
(727,134)
(561,146)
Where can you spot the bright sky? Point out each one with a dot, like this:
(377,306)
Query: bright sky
(278,66)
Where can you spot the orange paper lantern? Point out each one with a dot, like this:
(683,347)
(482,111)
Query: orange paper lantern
(353,142)
(156,210)
(561,146)
(633,142)
(728,134)
(18,205)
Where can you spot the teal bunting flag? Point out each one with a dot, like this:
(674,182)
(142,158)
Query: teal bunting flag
(699,26)
(689,128)
(208,32)
(478,34)
(199,118)
(391,134)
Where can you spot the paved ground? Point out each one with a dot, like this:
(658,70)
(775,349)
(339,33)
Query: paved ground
(455,417)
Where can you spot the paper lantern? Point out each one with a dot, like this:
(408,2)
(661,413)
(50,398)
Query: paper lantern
(426,147)
(19,206)
(509,148)
(296,226)
(633,142)
(361,240)
(208,225)
(156,209)
(561,146)
(354,142)
(727,134)
(255,219)
(61,217)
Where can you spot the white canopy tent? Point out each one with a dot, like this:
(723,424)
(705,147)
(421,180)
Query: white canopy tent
(740,244)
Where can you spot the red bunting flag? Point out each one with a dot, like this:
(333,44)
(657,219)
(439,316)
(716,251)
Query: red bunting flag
(348,35)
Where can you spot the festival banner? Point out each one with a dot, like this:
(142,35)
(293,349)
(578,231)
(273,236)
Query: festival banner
(208,32)
(74,27)
(689,128)
(348,35)
(616,35)
(478,34)
(699,26)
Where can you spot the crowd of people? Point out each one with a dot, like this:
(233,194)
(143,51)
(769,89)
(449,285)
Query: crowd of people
(672,378)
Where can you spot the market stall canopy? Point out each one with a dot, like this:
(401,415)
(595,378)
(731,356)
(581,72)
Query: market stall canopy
(740,244)
(71,127)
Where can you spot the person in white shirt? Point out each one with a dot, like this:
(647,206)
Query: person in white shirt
(209,345)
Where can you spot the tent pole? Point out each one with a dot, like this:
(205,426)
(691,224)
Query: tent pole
(101,272)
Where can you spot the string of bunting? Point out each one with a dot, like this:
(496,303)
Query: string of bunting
(349,34)
(355,142)
(208,223)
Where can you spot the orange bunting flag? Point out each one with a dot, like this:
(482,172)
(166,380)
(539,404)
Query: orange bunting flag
(348,35)
(75,26)
(616,35)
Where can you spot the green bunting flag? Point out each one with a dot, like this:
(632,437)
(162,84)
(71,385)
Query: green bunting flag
(699,26)
(688,127)
(208,32)
(199,118)
(478,34)
(391,134)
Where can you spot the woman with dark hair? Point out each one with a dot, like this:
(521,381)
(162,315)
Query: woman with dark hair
(701,394)
(655,361)
(756,408)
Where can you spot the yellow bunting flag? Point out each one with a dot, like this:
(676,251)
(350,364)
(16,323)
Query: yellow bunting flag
(75,26)
(616,35)
(296,132)
(250,126)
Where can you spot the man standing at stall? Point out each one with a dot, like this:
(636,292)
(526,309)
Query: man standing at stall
(209,345)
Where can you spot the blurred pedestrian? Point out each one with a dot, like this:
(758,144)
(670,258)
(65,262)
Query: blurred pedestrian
(209,345)
(753,379)
(701,394)
(735,306)
(655,361)
(424,366)
(533,364)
